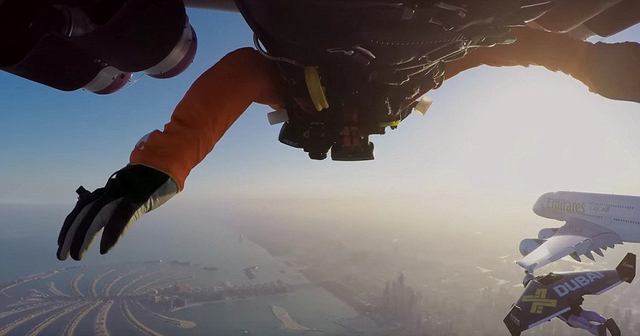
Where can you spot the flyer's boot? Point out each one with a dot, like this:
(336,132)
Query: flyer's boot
(602,330)
(613,327)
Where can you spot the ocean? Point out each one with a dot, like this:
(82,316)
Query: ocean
(28,243)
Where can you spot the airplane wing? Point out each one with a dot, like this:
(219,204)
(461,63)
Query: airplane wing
(548,296)
(577,237)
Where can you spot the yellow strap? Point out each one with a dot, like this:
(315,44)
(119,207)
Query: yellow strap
(316,91)
(391,124)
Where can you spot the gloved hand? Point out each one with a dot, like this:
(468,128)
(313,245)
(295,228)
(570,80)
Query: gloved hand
(130,192)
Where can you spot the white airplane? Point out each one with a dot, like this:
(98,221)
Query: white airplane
(593,223)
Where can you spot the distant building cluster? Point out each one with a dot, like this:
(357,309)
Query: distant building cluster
(180,288)
(179,294)
(402,303)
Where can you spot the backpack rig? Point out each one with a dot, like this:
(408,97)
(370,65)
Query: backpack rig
(355,67)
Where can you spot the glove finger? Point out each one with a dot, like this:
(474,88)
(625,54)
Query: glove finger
(100,221)
(87,222)
(69,229)
(122,220)
(85,198)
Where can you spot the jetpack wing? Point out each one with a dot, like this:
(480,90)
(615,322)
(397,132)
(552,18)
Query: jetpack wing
(576,237)
(548,296)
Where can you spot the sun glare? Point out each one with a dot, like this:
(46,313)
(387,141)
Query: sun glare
(544,131)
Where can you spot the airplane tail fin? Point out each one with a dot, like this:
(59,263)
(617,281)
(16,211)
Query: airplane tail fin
(627,268)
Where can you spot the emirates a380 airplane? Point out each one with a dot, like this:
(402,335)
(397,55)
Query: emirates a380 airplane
(593,223)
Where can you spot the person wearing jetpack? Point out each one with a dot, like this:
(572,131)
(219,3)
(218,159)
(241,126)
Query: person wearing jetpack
(342,70)
(588,320)
(560,294)
(577,317)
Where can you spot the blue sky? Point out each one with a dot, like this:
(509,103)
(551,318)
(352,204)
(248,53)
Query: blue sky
(492,135)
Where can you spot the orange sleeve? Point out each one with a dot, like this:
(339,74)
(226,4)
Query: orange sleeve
(212,104)
(611,70)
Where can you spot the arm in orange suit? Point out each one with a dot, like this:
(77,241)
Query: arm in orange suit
(161,161)
(611,70)
(212,104)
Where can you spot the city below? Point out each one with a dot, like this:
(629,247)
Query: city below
(152,289)
(326,288)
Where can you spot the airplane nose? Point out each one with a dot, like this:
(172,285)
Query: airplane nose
(536,208)
(539,206)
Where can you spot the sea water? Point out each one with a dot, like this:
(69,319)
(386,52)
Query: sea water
(28,243)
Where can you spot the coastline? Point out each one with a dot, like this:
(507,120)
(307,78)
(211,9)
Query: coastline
(202,303)
(315,277)
(197,304)
(287,321)
(339,291)
(275,249)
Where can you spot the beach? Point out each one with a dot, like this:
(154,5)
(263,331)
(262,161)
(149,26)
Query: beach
(287,321)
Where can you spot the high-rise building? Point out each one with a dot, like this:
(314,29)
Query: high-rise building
(386,297)
(394,299)
(402,303)
(411,302)
(402,297)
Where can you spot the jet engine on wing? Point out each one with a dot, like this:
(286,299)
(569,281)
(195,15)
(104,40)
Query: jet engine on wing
(95,45)
(529,245)
(547,233)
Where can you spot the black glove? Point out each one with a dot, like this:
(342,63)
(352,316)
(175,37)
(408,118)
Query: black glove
(129,193)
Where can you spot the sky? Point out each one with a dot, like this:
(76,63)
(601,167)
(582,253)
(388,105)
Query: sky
(494,140)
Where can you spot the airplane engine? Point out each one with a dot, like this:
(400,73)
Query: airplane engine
(528,245)
(547,233)
(95,44)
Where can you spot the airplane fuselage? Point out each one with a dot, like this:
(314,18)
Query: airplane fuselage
(618,213)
